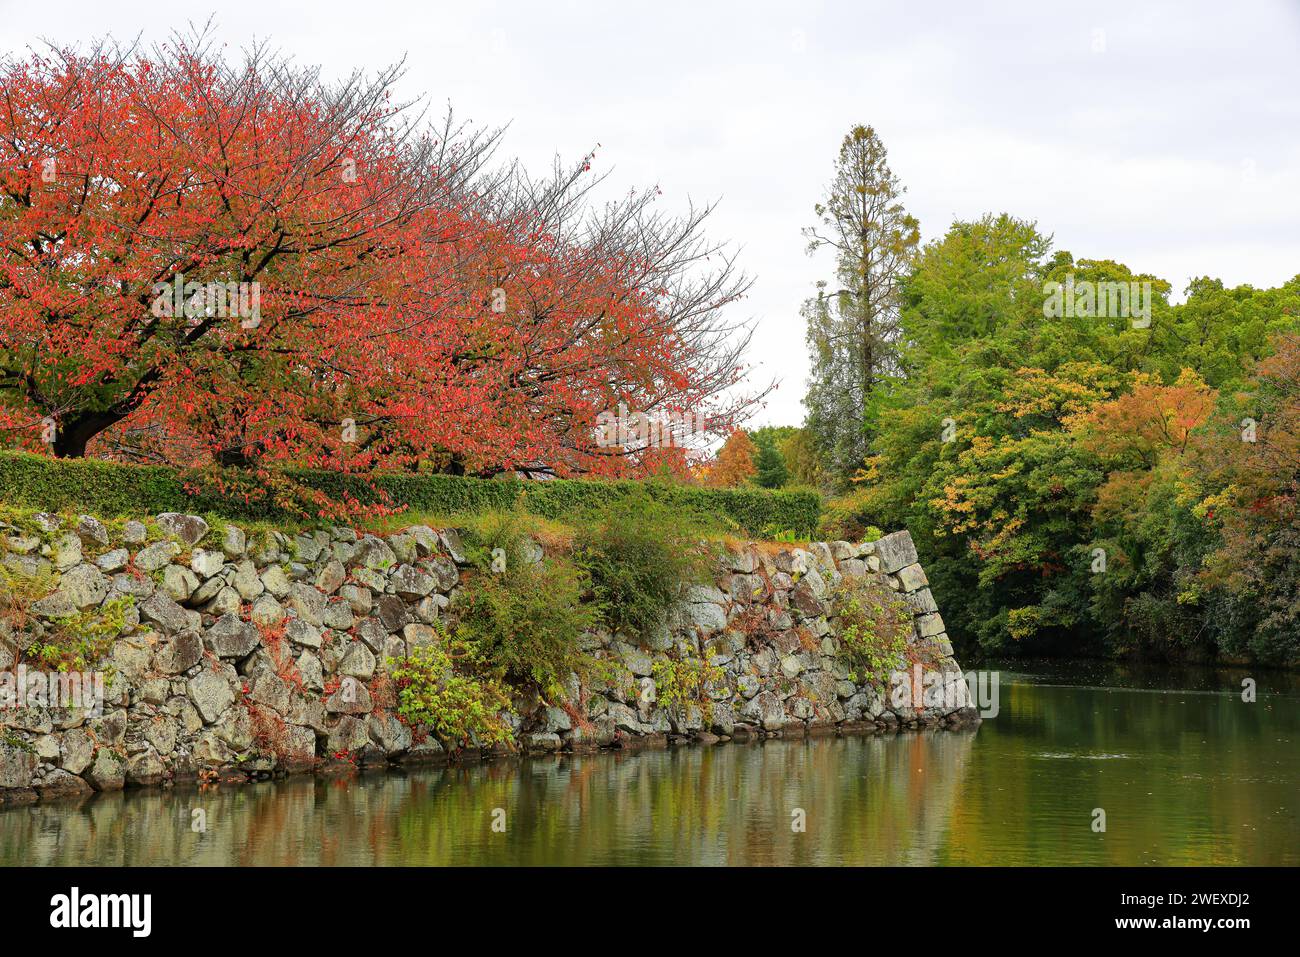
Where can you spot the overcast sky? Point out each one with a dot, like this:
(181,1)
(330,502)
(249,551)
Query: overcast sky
(1163,135)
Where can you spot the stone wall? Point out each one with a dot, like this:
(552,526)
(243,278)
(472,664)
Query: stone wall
(238,656)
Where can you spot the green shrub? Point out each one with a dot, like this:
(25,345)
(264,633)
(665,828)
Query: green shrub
(874,625)
(848,517)
(526,622)
(684,682)
(442,687)
(639,553)
(109,488)
(499,536)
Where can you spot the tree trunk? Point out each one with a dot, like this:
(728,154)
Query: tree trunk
(75,433)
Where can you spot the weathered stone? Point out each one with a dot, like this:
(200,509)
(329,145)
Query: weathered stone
(306,548)
(206,563)
(352,697)
(59,783)
(303,633)
(130,658)
(929,626)
(146,769)
(22,544)
(358,661)
(389,733)
(853,568)
(108,773)
(840,551)
(67,551)
(331,577)
(77,750)
(805,601)
(922,602)
(85,586)
(246,581)
(161,733)
(372,633)
(403,546)
(310,671)
(766,709)
(349,734)
(409,583)
(164,612)
(444,572)
(211,695)
(743,560)
(425,538)
(374,553)
(46,748)
(706,616)
(338,615)
(266,611)
(17,765)
(392,612)
(91,530)
(134,533)
(233,541)
(178,583)
(225,602)
(275,581)
(637,660)
(189,529)
(298,750)
(308,603)
(210,751)
(370,579)
(358,598)
(555,719)
(155,556)
(624,718)
(137,586)
(113,561)
(417,635)
(912,577)
(269,690)
(895,551)
(231,637)
(57,605)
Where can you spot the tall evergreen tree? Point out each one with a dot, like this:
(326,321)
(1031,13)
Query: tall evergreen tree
(852,329)
(770,465)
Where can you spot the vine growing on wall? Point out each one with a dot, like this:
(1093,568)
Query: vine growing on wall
(874,625)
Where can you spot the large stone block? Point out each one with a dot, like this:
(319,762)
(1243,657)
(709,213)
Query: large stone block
(895,552)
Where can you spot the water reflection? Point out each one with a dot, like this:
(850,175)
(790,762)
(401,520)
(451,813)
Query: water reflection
(1185,777)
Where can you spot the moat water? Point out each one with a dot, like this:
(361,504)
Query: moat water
(1185,771)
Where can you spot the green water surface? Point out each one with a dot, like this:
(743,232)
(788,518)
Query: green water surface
(1185,771)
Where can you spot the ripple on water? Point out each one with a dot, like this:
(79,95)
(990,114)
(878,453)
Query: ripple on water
(1095,756)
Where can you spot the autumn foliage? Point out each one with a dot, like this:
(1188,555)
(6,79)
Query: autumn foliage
(208,262)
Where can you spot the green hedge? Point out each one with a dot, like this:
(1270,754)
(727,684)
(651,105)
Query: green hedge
(111,489)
